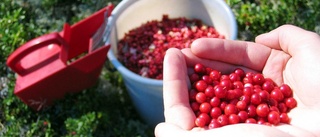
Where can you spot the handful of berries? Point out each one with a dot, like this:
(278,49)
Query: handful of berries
(222,99)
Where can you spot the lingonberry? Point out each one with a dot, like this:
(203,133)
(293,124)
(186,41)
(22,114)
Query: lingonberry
(284,118)
(274,118)
(195,106)
(255,99)
(209,91)
(291,102)
(234,77)
(264,95)
(223,120)
(251,121)
(214,124)
(258,79)
(215,102)
(240,72)
(207,79)
(262,110)
(215,75)
(201,97)
(277,95)
(200,122)
(241,105)
(234,119)
(201,85)
(286,90)
(199,69)
(230,109)
(226,83)
(220,91)
(268,86)
(243,116)
(194,77)
(205,107)
(215,112)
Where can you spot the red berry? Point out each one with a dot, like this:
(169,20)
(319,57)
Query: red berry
(205,107)
(220,91)
(215,112)
(230,109)
(286,90)
(258,79)
(200,122)
(262,110)
(255,99)
(207,79)
(214,124)
(291,102)
(195,106)
(192,94)
(209,91)
(215,102)
(215,75)
(226,83)
(201,97)
(240,72)
(201,85)
(264,95)
(223,120)
(268,86)
(234,77)
(194,77)
(243,116)
(199,69)
(241,105)
(234,119)
(274,118)
(277,95)
(251,121)
(284,118)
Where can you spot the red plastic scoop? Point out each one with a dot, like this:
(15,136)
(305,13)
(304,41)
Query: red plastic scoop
(54,64)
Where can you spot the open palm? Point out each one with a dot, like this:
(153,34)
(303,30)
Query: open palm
(287,55)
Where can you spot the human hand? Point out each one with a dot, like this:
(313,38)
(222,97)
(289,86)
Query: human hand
(287,55)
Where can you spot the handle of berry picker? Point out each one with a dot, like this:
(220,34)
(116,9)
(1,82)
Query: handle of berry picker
(14,60)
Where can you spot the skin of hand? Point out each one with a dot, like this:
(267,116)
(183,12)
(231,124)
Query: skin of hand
(287,54)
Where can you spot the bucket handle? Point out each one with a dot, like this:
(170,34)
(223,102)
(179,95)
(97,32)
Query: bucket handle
(13,60)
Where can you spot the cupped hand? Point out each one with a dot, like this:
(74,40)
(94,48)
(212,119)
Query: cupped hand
(287,54)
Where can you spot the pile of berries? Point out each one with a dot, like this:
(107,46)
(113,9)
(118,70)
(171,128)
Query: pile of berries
(222,99)
(142,49)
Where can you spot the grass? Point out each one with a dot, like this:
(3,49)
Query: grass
(106,109)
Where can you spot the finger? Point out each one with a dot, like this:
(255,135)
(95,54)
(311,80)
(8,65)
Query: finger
(175,90)
(224,68)
(290,39)
(247,54)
